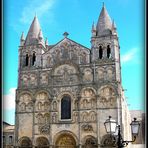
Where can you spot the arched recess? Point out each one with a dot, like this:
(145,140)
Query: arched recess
(25,142)
(65,140)
(42,142)
(90,142)
(108,141)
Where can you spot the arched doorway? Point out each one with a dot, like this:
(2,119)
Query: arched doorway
(42,142)
(90,142)
(65,141)
(25,142)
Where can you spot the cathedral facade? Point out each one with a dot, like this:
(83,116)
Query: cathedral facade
(66,91)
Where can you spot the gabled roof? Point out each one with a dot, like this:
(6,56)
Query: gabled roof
(34,32)
(104,21)
(70,41)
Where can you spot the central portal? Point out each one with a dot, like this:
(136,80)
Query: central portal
(65,141)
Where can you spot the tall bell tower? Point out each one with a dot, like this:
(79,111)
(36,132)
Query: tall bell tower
(104,43)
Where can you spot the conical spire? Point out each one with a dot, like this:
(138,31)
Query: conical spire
(40,35)
(114,25)
(22,37)
(104,22)
(46,42)
(33,32)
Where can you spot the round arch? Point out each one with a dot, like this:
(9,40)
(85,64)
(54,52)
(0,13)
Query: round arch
(89,142)
(107,86)
(65,139)
(87,88)
(42,142)
(43,91)
(25,142)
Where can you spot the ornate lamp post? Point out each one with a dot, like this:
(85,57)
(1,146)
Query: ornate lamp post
(112,127)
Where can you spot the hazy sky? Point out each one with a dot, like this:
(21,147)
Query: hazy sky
(76,17)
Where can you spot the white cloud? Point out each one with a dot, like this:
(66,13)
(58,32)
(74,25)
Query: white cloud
(39,7)
(9,100)
(130,55)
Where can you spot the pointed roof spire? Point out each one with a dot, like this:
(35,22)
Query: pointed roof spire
(33,32)
(22,37)
(40,35)
(46,42)
(104,21)
(114,25)
(93,26)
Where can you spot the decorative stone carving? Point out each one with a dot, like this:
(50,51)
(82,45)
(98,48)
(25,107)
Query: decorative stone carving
(88,77)
(44,129)
(44,78)
(40,118)
(65,74)
(24,80)
(33,79)
(107,97)
(87,128)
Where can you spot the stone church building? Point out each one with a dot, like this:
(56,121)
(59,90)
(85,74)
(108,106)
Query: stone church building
(66,91)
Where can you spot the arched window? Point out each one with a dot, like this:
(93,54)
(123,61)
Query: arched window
(66,107)
(33,58)
(27,60)
(100,52)
(108,52)
(10,139)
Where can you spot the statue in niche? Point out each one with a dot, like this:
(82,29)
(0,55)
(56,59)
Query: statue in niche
(84,103)
(93,103)
(87,76)
(25,80)
(75,117)
(39,106)
(54,105)
(40,118)
(30,106)
(83,57)
(65,54)
(100,73)
(33,79)
(76,104)
(84,117)
(93,116)
(58,54)
(23,107)
(103,101)
(54,118)
(44,78)
(106,91)
(112,101)
(46,105)
(109,74)
(47,118)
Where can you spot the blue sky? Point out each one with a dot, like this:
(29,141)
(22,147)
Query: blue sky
(76,17)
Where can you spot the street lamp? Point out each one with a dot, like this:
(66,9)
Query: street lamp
(112,127)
